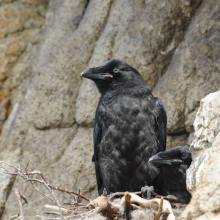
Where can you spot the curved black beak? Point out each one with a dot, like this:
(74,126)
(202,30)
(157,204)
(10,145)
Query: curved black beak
(94,74)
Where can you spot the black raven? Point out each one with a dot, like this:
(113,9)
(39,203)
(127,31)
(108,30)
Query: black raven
(173,164)
(130,127)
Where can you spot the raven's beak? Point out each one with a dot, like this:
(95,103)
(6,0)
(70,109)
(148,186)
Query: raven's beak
(158,161)
(93,74)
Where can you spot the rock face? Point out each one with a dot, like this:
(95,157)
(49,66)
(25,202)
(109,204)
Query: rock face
(203,174)
(20,26)
(47,111)
(195,64)
(146,37)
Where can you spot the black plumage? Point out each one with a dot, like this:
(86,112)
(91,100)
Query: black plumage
(130,127)
(173,164)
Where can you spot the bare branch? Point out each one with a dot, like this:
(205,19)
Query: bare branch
(160,210)
(100,205)
(25,175)
(43,181)
(20,206)
(85,186)
(27,164)
(127,205)
(55,208)
(24,198)
(13,217)
(149,203)
(54,197)
(135,206)
(42,192)
(107,210)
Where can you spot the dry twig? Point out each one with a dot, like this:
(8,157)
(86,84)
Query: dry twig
(55,208)
(160,210)
(25,175)
(101,204)
(13,217)
(20,206)
(149,204)
(107,210)
(127,205)
(101,200)
(135,206)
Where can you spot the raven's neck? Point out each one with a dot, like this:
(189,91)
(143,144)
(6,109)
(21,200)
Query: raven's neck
(140,91)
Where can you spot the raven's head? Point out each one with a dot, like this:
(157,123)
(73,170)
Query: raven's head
(173,156)
(114,74)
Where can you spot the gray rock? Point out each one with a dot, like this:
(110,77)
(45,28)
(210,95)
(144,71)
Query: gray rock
(203,174)
(47,111)
(194,70)
(86,103)
(174,140)
(145,37)
(19,33)
(6,181)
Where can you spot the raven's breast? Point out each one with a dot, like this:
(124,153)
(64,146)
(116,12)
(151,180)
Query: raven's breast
(128,138)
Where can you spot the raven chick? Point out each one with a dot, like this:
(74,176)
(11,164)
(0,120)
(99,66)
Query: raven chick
(130,127)
(173,164)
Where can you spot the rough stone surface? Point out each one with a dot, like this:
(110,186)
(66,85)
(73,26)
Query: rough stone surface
(47,111)
(64,157)
(21,22)
(43,120)
(203,175)
(6,181)
(145,37)
(194,70)
(80,150)
(86,103)
(174,140)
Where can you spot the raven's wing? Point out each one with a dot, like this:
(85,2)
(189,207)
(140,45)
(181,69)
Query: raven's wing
(161,124)
(97,134)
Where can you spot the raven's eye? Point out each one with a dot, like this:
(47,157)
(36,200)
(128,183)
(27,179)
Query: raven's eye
(184,156)
(115,70)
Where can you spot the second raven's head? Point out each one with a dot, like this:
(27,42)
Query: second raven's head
(114,74)
(174,156)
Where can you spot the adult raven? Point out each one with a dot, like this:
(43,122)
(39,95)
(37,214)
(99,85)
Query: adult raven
(173,164)
(130,127)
